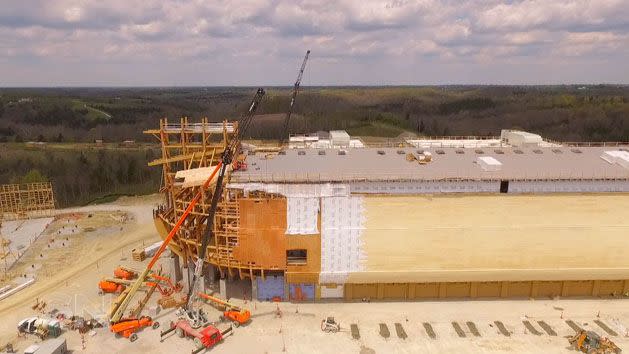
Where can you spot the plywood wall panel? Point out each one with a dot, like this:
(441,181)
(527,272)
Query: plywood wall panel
(261,238)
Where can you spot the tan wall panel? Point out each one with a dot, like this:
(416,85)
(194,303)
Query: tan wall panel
(359,291)
(610,287)
(494,238)
(548,289)
(518,288)
(310,243)
(426,290)
(309,277)
(488,289)
(261,235)
(577,288)
(535,289)
(457,289)
(395,291)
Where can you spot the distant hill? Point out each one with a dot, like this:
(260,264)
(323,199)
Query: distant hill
(564,113)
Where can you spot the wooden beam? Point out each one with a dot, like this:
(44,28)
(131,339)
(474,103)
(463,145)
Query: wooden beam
(195,155)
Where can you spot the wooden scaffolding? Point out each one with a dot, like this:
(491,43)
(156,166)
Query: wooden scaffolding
(187,146)
(29,200)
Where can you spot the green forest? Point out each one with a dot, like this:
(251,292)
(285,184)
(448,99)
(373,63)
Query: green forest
(71,118)
(81,176)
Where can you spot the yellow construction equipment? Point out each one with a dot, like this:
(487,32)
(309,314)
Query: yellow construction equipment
(231,312)
(591,343)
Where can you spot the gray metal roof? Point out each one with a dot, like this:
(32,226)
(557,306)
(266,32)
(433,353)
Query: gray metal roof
(539,163)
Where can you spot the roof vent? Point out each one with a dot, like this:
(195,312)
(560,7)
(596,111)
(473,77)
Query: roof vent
(301,153)
(619,157)
(499,152)
(380,152)
(440,152)
(518,151)
(557,151)
(488,163)
(576,151)
(321,152)
(538,151)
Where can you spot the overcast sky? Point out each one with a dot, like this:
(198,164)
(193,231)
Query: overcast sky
(353,42)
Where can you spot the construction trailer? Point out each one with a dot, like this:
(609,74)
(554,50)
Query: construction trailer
(369,223)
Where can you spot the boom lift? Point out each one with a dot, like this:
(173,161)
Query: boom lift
(118,309)
(233,313)
(292,99)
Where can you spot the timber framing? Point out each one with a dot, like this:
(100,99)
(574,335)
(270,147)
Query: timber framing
(24,201)
(185,146)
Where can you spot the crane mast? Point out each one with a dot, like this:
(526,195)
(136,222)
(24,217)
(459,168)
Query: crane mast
(118,309)
(292,99)
(226,160)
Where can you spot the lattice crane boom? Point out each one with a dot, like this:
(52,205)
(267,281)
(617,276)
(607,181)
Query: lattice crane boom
(293,97)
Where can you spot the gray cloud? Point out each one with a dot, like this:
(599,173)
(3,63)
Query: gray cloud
(247,42)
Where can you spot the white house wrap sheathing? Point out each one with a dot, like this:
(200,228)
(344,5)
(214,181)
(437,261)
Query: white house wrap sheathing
(568,186)
(425,187)
(301,215)
(332,293)
(342,223)
(295,190)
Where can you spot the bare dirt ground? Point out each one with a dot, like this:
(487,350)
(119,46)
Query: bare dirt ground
(72,288)
(82,250)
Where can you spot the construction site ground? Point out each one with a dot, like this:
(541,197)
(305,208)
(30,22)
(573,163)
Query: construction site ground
(106,241)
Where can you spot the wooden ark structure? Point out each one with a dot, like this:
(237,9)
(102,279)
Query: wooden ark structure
(28,200)
(356,223)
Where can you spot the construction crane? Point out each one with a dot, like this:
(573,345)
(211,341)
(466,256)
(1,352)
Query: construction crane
(292,99)
(194,315)
(118,309)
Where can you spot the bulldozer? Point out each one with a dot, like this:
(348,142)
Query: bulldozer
(591,343)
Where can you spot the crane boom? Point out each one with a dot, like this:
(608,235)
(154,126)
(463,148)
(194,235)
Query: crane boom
(118,310)
(292,99)
(226,160)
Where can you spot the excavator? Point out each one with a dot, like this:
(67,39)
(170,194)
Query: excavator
(196,315)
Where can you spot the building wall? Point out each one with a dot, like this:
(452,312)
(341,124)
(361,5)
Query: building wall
(437,187)
(474,238)
(514,289)
(261,238)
